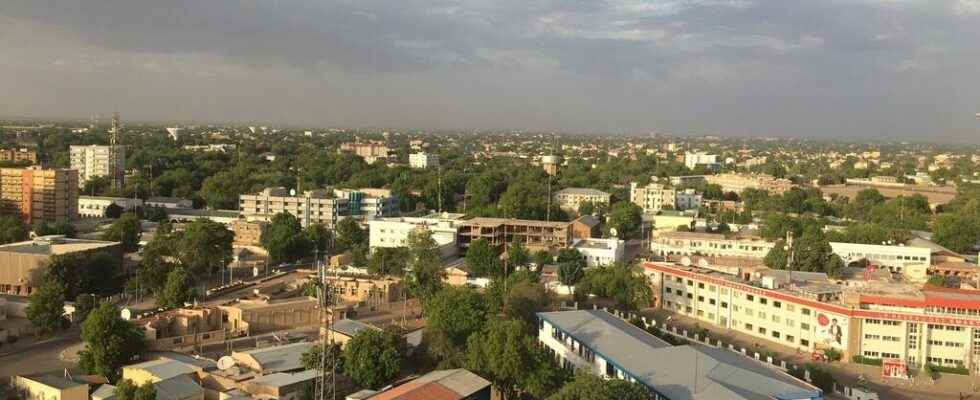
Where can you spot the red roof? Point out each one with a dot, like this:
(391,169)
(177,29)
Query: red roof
(416,391)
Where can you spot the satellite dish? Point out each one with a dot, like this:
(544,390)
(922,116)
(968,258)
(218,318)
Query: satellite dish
(614,232)
(686,261)
(126,314)
(225,363)
(292,192)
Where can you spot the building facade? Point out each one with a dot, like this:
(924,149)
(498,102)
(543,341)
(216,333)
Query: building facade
(895,258)
(423,160)
(18,155)
(653,197)
(248,233)
(369,203)
(569,199)
(20,261)
(670,243)
(311,207)
(598,252)
(97,160)
(693,159)
(737,183)
(501,231)
(95,206)
(394,232)
(39,195)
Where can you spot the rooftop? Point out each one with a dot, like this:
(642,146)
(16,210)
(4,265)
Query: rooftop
(280,379)
(177,388)
(349,327)
(682,372)
(280,358)
(163,368)
(450,384)
(583,192)
(54,381)
(55,245)
(494,222)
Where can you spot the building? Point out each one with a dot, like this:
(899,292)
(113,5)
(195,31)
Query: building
(599,252)
(370,152)
(267,360)
(895,258)
(311,207)
(342,331)
(183,328)
(361,289)
(18,155)
(248,233)
(172,379)
(501,231)
(368,203)
(253,316)
(281,385)
(585,227)
(737,183)
(876,319)
(19,261)
(570,199)
(669,243)
(653,197)
(39,195)
(687,199)
(95,206)
(170,203)
(423,160)
(550,164)
(49,387)
(393,232)
(97,160)
(185,215)
(447,384)
(599,343)
(694,159)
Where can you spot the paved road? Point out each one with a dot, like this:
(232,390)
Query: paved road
(39,357)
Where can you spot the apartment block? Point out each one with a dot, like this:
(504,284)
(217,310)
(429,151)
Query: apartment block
(502,231)
(423,160)
(371,151)
(694,159)
(674,243)
(310,207)
(369,203)
(97,160)
(18,155)
(95,206)
(39,195)
(653,197)
(248,233)
(737,183)
(393,232)
(905,324)
(569,199)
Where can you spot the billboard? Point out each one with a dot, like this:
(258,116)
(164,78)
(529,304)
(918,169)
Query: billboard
(831,330)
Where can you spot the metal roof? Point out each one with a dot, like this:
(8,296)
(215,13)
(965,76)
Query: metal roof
(677,372)
(54,381)
(177,388)
(280,379)
(163,368)
(349,327)
(280,358)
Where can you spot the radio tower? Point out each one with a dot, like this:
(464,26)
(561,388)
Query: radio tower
(115,175)
(326,382)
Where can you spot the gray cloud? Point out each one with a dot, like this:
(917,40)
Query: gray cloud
(900,68)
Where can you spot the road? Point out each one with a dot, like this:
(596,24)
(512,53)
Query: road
(38,357)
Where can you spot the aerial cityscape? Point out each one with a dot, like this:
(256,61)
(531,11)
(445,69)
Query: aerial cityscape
(618,200)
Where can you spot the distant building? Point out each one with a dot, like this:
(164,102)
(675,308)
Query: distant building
(423,160)
(94,161)
(172,203)
(653,197)
(19,261)
(895,258)
(217,147)
(550,164)
(394,232)
(365,289)
(370,152)
(18,155)
(248,233)
(501,231)
(174,133)
(670,243)
(368,203)
(310,207)
(95,206)
(39,195)
(693,159)
(569,199)
(450,384)
(598,252)
(687,199)
(737,183)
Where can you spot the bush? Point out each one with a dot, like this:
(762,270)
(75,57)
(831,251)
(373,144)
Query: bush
(866,360)
(821,378)
(832,354)
(936,369)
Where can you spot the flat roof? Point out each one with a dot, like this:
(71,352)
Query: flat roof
(484,221)
(280,379)
(280,358)
(57,382)
(163,368)
(55,247)
(349,327)
(583,191)
(691,372)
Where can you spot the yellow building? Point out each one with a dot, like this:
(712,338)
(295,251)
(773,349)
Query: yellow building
(49,387)
(39,195)
(184,328)
(18,155)
(20,261)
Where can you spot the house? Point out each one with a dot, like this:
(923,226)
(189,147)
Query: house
(50,387)
(170,203)
(584,227)
(285,358)
(280,385)
(449,384)
(344,330)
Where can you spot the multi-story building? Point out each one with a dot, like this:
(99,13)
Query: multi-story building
(39,195)
(669,243)
(18,155)
(737,183)
(172,203)
(393,232)
(368,203)
(599,252)
(653,197)
(357,289)
(906,324)
(311,207)
(501,231)
(19,261)
(599,343)
(95,206)
(423,160)
(569,199)
(687,199)
(94,160)
(693,159)
(371,152)
(248,233)
(895,258)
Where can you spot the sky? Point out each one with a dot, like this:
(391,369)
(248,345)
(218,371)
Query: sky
(902,69)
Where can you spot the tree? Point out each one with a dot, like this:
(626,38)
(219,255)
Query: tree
(517,256)
(110,342)
(320,238)
(586,208)
(424,264)
(84,304)
(388,261)
(937,280)
(82,273)
(350,234)
(587,386)
(178,290)
(524,299)
(625,217)
(126,230)
(311,358)
(957,232)
(482,258)
(571,272)
(204,247)
(777,256)
(452,315)
(113,211)
(46,307)
(542,258)
(371,358)
(127,390)
(284,238)
(504,352)
(60,228)
(12,229)
(621,282)
(96,186)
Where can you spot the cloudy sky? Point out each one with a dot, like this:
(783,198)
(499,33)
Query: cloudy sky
(821,68)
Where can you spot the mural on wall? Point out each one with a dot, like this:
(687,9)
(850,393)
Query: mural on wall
(831,330)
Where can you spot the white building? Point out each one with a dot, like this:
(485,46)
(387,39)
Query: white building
(174,133)
(393,232)
(687,199)
(670,243)
(95,160)
(598,252)
(653,197)
(693,159)
(95,206)
(369,203)
(895,258)
(569,199)
(423,160)
(169,202)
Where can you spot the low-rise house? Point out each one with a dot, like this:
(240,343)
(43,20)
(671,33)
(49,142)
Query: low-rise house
(19,261)
(280,385)
(344,330)
(284,358)
(170,203)
(49,387)
(184,328)
(95,206)
(448,384)
(599,252)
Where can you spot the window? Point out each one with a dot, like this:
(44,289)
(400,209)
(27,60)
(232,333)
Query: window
(777,304)
(701,299)
(804,342)
(749,297)
(763,301)
(711,301)
(790,338)
(762,330)
(805,311)
(700,285)
(775,334)
(724,305)
(804,326)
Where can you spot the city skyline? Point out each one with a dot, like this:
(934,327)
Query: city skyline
(862,69)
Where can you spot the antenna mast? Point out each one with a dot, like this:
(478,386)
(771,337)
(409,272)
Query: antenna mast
(326,381)
(114,172)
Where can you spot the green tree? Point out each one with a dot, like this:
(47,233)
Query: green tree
(937,280)
(127,230)
(60,228)
(12,229)
(542,258)
(84,304)
(524,299)
(311,358)
(482,258)
(110,342)
(452,315)
(46,307)
(777,256)
(127,390)
(350,234)
(517,256)
(372,358)
(624,283)
(113,211)
(178,290)
(587,386)
(96,186)
(320,238)
(586,208)
(507,354)
(204,247)
(571,272)
(625,217)
(424,264)
(388,261)
(284,238)
(957,232)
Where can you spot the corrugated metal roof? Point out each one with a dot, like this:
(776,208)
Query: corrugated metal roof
(163,368)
